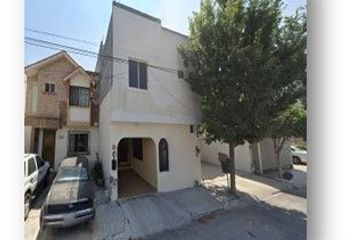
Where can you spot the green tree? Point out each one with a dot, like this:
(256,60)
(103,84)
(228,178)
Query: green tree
(237,58)
(290,123)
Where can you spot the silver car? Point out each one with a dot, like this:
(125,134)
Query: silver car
(299,155)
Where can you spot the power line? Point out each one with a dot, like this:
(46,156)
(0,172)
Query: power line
(169,93)
(89,53)
(61,36)
(122,73)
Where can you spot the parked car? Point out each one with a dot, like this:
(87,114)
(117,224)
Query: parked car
(299,155)
(71,199)
(36,176)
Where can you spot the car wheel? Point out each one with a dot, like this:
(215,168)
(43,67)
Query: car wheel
(28,199)
(296,160)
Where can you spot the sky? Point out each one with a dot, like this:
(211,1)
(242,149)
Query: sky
(88,20)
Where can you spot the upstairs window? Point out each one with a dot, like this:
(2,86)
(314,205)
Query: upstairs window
(49,87)
(137,74)
(79,96)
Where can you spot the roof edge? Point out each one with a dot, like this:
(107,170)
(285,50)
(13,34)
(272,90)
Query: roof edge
(135,11)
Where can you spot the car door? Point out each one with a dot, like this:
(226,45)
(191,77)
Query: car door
(32,173)
(41,170)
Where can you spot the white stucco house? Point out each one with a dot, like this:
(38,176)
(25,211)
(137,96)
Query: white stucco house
(148,114)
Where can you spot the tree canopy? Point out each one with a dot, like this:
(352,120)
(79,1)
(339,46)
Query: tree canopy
(247,62)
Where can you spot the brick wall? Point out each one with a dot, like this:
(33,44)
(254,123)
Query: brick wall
(52,107)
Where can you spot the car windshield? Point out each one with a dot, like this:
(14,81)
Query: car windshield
(72,174)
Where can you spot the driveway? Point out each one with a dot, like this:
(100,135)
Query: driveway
(260,188)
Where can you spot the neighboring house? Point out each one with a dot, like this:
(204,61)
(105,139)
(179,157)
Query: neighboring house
(248,157)
(61,116)
(148,114)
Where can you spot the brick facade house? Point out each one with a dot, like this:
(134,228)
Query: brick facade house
(61,111)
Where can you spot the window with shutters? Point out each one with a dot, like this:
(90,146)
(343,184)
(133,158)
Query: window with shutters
(137,74)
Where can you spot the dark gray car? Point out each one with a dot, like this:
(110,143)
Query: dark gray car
(70,200)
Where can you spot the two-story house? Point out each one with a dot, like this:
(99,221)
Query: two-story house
(148,113)
(61,112)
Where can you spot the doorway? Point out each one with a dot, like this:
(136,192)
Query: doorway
(48,149)
(137,167)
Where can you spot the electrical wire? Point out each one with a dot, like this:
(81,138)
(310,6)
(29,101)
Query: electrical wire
(61,36)
(86,52)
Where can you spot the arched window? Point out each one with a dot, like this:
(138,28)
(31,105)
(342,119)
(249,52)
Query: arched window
(163,155)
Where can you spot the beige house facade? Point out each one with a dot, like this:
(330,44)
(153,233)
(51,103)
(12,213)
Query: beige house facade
(61,115)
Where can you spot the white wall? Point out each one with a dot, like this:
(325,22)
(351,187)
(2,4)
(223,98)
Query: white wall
(137,37)
(185,166)
(269,157)
(209,153)
(104,136)
(28,130)
(62,140)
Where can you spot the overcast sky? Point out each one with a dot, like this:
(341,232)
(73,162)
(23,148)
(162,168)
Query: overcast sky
(88,20)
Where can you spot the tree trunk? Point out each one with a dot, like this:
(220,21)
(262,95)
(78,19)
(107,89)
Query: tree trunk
(277,149)
(232,170)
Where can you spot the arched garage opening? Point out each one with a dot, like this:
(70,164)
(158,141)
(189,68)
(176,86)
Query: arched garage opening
(137,167)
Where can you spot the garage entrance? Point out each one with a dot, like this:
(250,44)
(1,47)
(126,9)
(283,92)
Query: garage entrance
(137,167)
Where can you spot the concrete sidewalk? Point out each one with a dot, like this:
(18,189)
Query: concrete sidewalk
(139,217)
(143,216)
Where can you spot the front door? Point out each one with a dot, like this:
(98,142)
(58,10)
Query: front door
(48,149)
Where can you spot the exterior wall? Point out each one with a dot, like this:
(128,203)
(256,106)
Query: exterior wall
(79,115)
(165,110)
(209,153)
(48,103)
(185,167)
(104,65)
(158,46)
(269,157)
(28,130)
(104,136)
(62,143)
